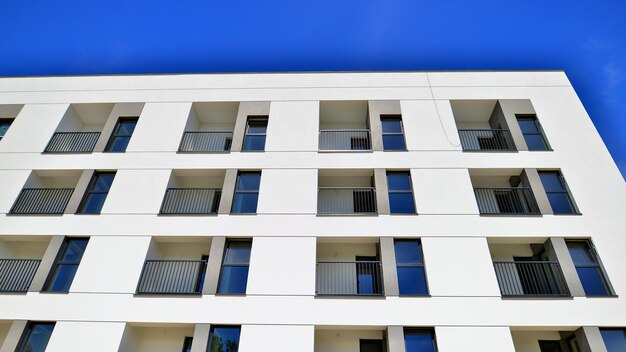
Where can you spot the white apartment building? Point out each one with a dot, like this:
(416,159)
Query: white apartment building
(308,212)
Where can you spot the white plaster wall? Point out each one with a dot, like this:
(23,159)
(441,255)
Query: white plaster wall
(429,125)
(111,264)
(443,191)
(276,338)
(293,126)
(70,336)
(343,340)
(33,127)
(160,127)
(288,191)
(12,182)
(528,341)
(25,249)
(474,339)
(136,191)
(282,266)
(459,267)
(5,326)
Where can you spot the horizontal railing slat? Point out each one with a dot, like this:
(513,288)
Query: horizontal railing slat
(16,275)
(42,201)
(512,201)
(346,200)
(344,140)
(171,277)
(72,142)
(486,140)
(530,278)
(206,142)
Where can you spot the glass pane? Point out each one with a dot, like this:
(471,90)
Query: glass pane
(93,203)
(238,252)
(254,143)
(412,281)
(401,203)
(580,253)
(398,181)
(224,339)
(187,344)
(249,181)
(103,182)
(560,203)
(614,339)
(233,280)
(62,278)
(393,142)
(593,281)
(118,144)
(408,252)
(371,346)
(551,181)
(257,126)
(418,341)
(528,125)
(392,125)
(37,338)
(535,142)
(550,346)
(4,127)
(245,203)
(126,127)
(75,249)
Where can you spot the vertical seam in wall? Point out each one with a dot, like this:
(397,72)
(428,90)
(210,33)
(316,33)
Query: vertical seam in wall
(432,95)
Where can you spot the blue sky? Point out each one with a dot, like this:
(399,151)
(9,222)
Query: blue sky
(585,38)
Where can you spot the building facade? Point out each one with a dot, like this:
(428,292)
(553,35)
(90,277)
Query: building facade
(310,212)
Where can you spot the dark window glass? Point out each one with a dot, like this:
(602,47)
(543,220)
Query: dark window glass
(234,276)
(66,265)
(371,346)
(393,133)
(558,195)
(187,344)
(246,192)
(4,126)
(256,131)
(224,339)
(35,337)
(410,267)
(550,346)
(400,193)
(588,268)
(614,339)
(121,134)
(533,134)
(96,193)
(419,340)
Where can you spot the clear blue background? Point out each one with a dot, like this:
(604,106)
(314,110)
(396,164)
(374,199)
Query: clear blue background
(585,38)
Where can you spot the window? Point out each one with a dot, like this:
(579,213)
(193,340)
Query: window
(256,130)
(410,267)
(533,133)
(4,126)
(614,339)
(246,192)
(556,189)
(35,337)
(550,346)
(419,340)
(66,265)
(234,276)
(187,344)
(393,132)
(400,192)
(121,134)
(96,193)
(371,346)
(588,268)
(224,339)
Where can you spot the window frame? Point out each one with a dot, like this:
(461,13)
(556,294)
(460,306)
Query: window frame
(212,330)
(540,132)
(238,191)
(610,292)
(408,191)
(255,118)
(187,343)
(397,117)
(58,262)
(115,134)
(431,331)
(28,331)
(236,264)
(565,190)
(10,122)
(89,191)
(411,265)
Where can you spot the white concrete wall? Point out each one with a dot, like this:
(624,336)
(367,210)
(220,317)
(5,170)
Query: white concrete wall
(474,339)
(33,127)
(287,192)
(146,188)
(443,191)
(70,336)
(429,125)
(12,181)
(276,338)
(293,126)
(160,127)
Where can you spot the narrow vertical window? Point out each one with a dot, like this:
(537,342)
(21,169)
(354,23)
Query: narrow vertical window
(410,267)
(66,265)
(558,194)
(35,337)
(400,192)
(224,339)
(234,276)
(419,340)
(256,130)
(614,339)
(533,133)
(393,132)
(97,192)
(588,268)
(246,192)
(4,126)
(187,343)
(121,134)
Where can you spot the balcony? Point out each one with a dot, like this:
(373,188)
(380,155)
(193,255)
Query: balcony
(344,126)
(548,338)
(486,140)
(21,256)
(345,140)
(198,142)
(156,337)
(346,192)
(42,201)
(503,192)
(350,338)
(79,129)
(193,192)
(72,142)
(482,126)
(209,128)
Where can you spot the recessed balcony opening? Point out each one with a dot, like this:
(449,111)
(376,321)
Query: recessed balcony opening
(503,192)
(8,113)
(350,338)
(5,326)
(344,126)
(210,127)
(481,126)
(46,192)
(79,129)
(548,339)
(20,257)
(193,192)
(348,267)
(527,267)
(175,265)
(156,337)
(346,192)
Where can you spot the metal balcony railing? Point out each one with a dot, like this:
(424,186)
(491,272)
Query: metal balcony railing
(17,274)
(72,142)
(508,201)
(346,200)
(172,277)
(206,142)
(349,278)
(343,140)
(191,201)
(486,140)
(531,278)
(33,201)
